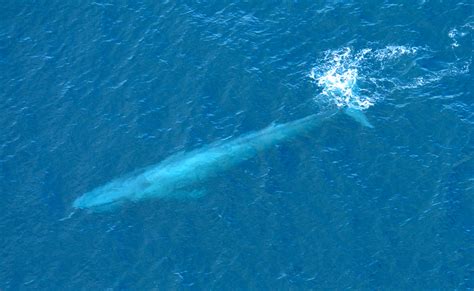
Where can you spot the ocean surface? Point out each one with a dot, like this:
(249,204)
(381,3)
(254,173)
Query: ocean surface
(91,91)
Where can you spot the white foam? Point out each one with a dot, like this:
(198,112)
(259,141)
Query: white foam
(338,75)
(359,79)
(356,79)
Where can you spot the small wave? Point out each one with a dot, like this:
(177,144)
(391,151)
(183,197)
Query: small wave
(456,34)
(394,51)
(452,70)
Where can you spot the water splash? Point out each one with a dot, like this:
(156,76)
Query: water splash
(355,80)
(352,79)
(337,77)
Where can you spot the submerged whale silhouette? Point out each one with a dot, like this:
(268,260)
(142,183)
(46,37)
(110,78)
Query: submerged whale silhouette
(180,175)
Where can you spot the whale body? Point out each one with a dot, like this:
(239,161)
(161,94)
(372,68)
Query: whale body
(180,175)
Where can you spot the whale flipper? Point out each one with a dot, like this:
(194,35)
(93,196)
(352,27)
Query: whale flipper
(358,116)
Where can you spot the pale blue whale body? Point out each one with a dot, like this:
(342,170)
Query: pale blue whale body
(181,175)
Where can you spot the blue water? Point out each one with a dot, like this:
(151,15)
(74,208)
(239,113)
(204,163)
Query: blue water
(93,91)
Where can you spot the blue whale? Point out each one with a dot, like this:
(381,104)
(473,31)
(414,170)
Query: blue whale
(180,175)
